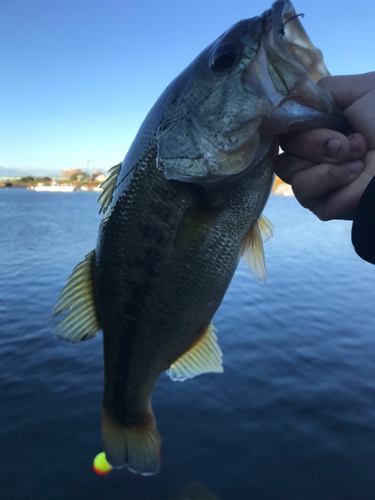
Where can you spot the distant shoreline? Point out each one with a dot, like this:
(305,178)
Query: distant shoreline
(84,187)
(279,188)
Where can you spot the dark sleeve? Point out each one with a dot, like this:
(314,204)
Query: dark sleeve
(363,230)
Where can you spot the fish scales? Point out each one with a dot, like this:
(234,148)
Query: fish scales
(180,211)
(157,288)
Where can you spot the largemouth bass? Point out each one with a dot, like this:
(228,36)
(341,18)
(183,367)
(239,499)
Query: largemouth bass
(181,210)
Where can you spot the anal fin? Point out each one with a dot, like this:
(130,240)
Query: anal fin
(81,323)
(204,357)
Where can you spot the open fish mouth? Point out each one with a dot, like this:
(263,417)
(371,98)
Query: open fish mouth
(288,66)
(286,32)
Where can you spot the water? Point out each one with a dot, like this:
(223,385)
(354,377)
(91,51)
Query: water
(292,417)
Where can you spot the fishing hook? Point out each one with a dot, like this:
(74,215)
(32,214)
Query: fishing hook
(281,30)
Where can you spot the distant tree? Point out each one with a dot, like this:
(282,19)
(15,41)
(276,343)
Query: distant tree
(27,179)
(39,179)
(79,176)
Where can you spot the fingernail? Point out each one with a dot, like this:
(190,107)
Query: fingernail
(354,145)
(354,167)
(334,148)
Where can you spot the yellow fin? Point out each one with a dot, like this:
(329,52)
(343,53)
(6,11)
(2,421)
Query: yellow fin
(253,253)
(204,357)
(108,187)
(136,447)
(81,323)
(265,228)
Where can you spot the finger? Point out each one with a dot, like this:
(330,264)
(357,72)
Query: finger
(287,165)
(358,146)
(342,203)
(312,186)
(320,145)
(361,117)
(347,89)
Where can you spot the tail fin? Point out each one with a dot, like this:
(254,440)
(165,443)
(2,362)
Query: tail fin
(136,447)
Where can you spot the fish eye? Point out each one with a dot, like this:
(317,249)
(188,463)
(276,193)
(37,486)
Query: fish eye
(224,57)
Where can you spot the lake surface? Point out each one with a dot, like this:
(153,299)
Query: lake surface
(292,417)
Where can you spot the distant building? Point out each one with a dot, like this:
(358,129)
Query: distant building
(101,177)
(69,173)
(98,176)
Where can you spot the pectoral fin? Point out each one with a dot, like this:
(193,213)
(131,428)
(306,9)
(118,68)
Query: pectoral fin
(195,225)
(82,322)
(252,247)
(265,228)
(204,357)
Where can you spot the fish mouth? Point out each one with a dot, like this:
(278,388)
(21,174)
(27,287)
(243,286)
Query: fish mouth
(287,67)
(284,31)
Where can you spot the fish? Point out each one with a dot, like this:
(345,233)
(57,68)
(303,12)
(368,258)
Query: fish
(180,211)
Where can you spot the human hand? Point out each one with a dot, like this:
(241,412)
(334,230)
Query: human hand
(327,170)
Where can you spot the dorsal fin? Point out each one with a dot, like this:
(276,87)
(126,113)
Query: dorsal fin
(81,323)
(204,357)
(108,187)
(252,247)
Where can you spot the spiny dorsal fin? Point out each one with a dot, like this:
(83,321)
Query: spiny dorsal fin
(204,357)
(265,228)
(108,187)
(253,253)
(81,323)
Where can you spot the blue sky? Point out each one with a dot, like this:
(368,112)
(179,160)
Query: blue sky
(77,77)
